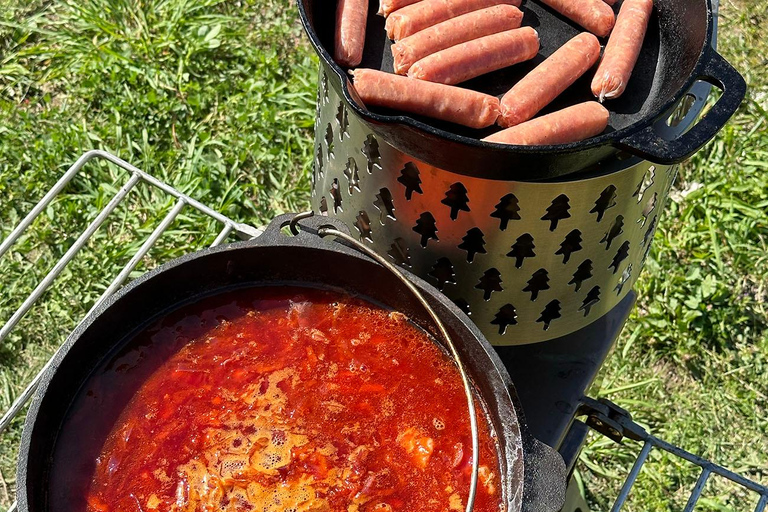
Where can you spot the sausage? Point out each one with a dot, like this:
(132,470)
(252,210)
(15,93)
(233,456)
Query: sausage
(594,15)
(549,79)
(351,17)
(454,104)
(424,14)
(477,57)
(622,50)
(387,7)
(454,31)
(572,124)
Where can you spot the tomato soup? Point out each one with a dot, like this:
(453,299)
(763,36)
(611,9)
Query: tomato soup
(294,400)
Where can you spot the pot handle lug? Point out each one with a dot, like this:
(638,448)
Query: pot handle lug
(545,478)
(649,145)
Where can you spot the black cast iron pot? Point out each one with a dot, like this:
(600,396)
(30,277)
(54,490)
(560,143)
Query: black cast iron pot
(677,52)
(533,482)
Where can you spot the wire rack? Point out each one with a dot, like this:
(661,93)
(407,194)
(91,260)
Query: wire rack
(603,416)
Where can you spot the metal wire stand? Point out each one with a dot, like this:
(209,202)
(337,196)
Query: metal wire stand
(602,416)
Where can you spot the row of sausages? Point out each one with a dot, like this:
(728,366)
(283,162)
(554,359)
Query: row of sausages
(440,43)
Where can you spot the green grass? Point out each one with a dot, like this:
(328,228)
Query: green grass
(217,98)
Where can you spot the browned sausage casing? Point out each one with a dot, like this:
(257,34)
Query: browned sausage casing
(438,101)
(594,15)
(572,124)
(549,79)
(474,58)
(451,32)
(622,50)
(387,7)
(413,18)
(351,16)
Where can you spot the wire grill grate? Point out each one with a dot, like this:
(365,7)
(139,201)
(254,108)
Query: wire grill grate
(243,231)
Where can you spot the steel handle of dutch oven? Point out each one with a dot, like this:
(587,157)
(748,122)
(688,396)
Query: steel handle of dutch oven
(329,230)
(716,71)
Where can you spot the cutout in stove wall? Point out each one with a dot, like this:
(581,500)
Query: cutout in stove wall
(342,117)
(409,178)
(489,282)
(353,178)
(464,306)
(571,244)
(592,298)
(649,207)
(645,183)
(400,253)
(426,226)
(363,225)
(625,276)
(522,248)
(606,200)
(538,282)
(336,195)
(443,273)
(329,141)
(371,152)
(323,206)
(620,256)
(550,313)
(385,205)
(456,199)
(557,211)
(473,242)
(507,210)
(615,230)
(582,273)
(506,316)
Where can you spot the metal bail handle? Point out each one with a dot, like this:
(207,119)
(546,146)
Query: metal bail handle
(325,231)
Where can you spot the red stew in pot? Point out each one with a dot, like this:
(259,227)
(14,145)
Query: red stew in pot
(300,401)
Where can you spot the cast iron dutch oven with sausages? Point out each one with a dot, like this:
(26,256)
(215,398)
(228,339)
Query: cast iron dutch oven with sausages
(533,475)
(677,52)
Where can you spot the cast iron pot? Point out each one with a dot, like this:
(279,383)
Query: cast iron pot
(533,474)
(677,52)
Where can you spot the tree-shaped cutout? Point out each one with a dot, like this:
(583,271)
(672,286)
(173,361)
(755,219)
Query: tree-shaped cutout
(426,227)
(464,306)
(474,243)
(620,256)
(363,225)
(336,195)
(615,230)
(456,199)
(557,211)
(409,178)
(442,271)
(319,160)
(323,206)
(606,200)
(505,317)
(521,249)
(329,140)
(592,298)
(538,282)
(353,178)
(371,152)
(324,88)
(649,207)
(625,277)
(645,183)
(342,117)
(398,251)
(550,313)
(570,245)
(649,232)
(507,210)
(582,273)
(490,282)
(385,205)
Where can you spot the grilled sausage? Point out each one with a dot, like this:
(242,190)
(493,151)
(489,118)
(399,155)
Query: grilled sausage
(454,104)
(351,16)
(571,124)
(474,58)
(594,15)
(424,14)
(455,31)
(549,79)
(622,50)
(387,7)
